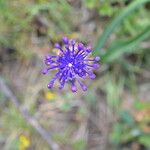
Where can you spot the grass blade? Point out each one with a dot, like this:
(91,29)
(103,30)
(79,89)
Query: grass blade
(115,23)
(125,47)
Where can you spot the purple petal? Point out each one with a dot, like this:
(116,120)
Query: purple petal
(80,46)
(89,49)
(57,46)
(65,40)
(97,58)
(45,71)
(83,86)
(96,66)
(73,42)
(50,85)
(48,56)
(92,76)
(73,88)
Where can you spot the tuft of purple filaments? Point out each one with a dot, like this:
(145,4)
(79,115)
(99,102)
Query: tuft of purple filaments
(72,63)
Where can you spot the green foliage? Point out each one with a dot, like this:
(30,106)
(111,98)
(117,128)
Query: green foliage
(127,117)
(115,23)
(121,47)
(18,26)
(79,145)
(113,91)
(90,3)
(90,97)
(134,23)
(103,8)
(65,107)
(128,130)
(12,124)
(61,138)
(14,144)
(66,104)
(2,98)
(13,116)
(144,139)
(56,11)
(141,105)
(123,131)
(18,21)
(106,9)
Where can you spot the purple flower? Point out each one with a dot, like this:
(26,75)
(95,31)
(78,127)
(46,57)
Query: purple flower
(72,64)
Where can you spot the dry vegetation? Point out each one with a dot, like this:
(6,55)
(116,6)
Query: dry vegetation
(112,115)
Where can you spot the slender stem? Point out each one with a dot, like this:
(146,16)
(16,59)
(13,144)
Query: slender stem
(30,119)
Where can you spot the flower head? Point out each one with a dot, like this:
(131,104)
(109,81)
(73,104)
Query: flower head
(24,142)
(49,96)
(72,64)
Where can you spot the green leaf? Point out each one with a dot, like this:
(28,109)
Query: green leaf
(90,3)
(106,9)
(127,117)
(113,91)
(145,140)
(116,22)
(117,50)
(117,133)
(140,105)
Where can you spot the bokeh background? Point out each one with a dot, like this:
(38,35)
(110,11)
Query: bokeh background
(114,114)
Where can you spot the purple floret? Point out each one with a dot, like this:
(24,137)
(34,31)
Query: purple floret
(72,63)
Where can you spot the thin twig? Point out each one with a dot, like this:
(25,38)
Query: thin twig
(31,120)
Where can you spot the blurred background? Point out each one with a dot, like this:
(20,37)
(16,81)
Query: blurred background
(114,114)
